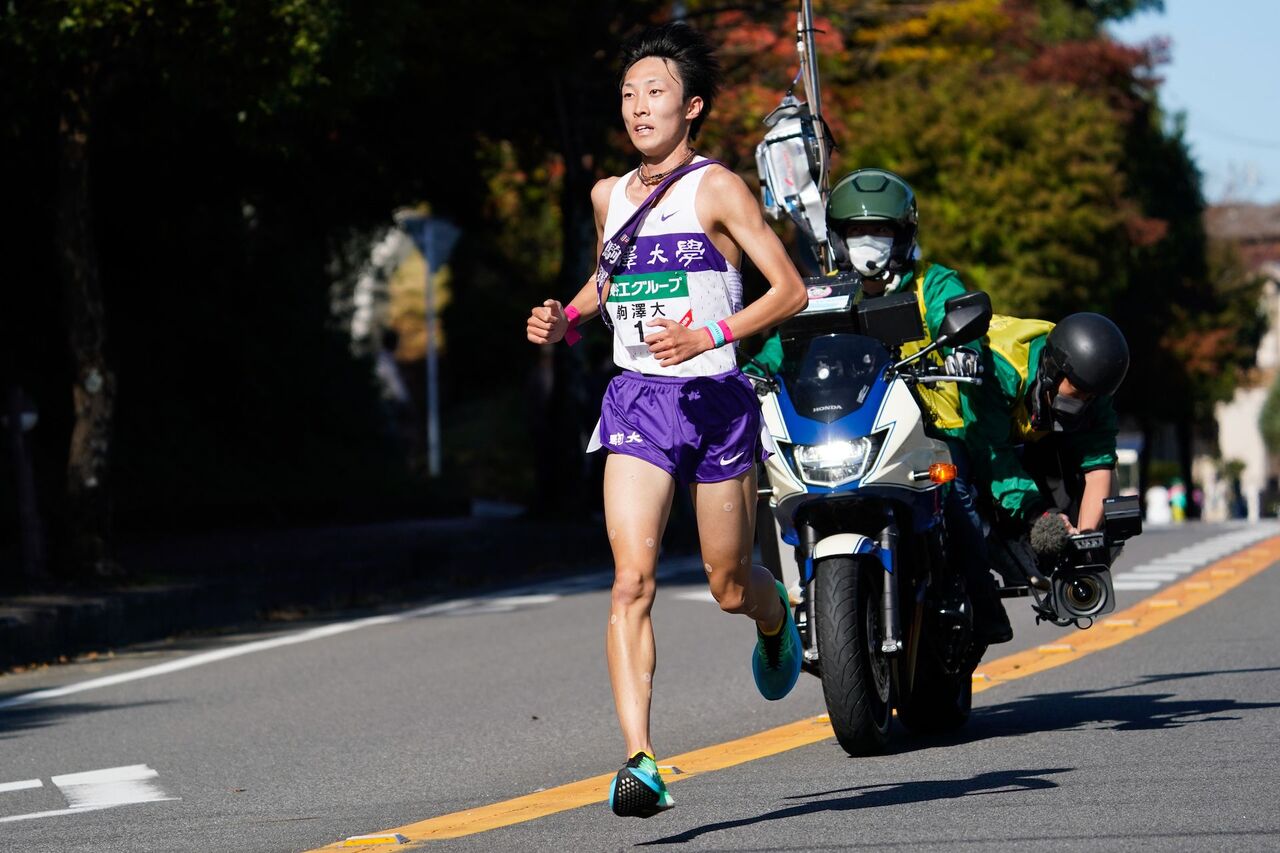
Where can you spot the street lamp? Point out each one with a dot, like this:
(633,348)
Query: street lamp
(435,239)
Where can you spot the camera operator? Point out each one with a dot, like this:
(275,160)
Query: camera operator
(1041,430)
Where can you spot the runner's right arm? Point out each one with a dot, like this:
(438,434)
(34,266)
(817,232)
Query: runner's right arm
(548,323)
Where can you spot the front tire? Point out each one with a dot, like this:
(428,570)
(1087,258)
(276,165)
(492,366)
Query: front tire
(855,676)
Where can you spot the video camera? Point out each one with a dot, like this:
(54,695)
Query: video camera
(1080,585)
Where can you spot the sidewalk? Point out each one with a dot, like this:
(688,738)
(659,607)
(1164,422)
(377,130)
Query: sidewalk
(218,580)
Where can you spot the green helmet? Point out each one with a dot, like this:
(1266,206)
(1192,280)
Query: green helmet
(873,195)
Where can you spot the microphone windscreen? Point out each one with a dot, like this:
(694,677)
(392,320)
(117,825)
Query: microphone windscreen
(1049,536)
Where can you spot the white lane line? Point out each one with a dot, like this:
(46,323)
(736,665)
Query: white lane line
(1146,575)
(703,595)
(20,786)
(1126,585)
(54,813)
(202,658)
(497,602)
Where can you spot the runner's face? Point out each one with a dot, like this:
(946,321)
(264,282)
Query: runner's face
(654,110)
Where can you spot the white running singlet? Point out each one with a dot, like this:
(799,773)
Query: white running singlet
(672,270)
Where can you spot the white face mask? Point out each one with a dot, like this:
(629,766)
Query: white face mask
(869,255)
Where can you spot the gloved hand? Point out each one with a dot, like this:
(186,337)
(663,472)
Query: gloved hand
(963,362)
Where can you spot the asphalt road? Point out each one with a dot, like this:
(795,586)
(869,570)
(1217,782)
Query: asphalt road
(299,736)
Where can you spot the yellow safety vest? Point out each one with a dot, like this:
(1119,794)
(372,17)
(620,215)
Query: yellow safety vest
(1011,339)
(941,400)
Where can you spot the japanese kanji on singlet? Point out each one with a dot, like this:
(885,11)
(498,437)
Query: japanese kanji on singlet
(698,420)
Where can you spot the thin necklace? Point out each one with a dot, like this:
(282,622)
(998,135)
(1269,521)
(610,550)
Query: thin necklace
(654,180)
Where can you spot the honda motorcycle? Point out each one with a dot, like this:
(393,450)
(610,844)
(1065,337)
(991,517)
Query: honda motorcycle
(855,484)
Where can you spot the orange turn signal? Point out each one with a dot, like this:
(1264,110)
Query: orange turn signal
(942,472)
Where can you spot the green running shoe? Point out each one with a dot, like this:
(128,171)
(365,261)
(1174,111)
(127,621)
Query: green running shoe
(776,661)
(638,789)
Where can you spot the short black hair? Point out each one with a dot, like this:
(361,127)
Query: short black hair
(694,57)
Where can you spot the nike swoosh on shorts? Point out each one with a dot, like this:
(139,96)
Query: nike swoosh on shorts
(731,460)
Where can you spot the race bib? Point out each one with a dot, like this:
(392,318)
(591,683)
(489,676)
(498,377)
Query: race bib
(636,300)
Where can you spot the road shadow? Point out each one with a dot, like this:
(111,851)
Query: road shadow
(16,720)
(877,796)
(1106,708)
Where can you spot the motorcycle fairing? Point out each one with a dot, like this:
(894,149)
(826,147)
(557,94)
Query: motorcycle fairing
(857,423)
(852,544)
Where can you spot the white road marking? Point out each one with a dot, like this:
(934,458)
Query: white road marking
(497,602)
(703,595)
(1146,574)
(95,790)
(1135,584)
(114,786)
(20,786)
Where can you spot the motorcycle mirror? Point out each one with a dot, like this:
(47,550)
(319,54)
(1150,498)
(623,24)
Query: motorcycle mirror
(967,319)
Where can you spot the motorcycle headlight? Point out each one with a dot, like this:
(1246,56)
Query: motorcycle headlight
(835,462)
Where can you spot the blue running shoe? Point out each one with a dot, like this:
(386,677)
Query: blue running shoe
(776,661)
(638,789)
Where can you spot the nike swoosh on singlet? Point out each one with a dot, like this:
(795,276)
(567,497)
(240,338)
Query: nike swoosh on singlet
(730,461)
(664,217)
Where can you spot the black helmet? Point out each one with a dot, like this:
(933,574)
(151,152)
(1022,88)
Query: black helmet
(875,195)
(1088,349)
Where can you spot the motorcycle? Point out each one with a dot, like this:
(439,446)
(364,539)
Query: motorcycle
(855,485)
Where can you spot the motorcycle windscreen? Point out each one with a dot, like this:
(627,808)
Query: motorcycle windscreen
(833,375)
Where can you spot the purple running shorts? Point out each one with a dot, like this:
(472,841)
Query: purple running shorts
(701,429)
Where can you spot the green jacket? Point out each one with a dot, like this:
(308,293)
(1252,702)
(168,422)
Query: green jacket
(942,400)
(997,418)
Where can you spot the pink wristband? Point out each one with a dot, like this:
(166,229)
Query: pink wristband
(571,334)
(728,333)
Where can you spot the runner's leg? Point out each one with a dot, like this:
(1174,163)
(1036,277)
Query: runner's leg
(726,526)
(637,502)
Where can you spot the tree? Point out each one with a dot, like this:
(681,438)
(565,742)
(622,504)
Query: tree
(88,49)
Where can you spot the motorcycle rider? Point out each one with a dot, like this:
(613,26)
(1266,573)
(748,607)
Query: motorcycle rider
(873,221)
(1041,429)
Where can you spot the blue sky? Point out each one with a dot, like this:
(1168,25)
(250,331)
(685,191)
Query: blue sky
(1225,75)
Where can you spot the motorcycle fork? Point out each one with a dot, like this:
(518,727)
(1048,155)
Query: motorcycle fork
(808,543)
(890,621)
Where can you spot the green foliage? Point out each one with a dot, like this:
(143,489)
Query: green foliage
(1017,182)
(237,146)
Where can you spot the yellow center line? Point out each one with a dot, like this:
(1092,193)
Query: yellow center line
(1147,615)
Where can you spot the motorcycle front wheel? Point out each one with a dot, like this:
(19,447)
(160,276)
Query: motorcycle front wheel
(855,676)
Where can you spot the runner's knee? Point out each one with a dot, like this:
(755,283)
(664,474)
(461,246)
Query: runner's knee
(732,597)
(632,588)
